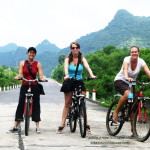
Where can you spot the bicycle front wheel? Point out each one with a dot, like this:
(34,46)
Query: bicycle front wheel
(72,119)
(141,123)
(113,128)
(82,118)
(27,117)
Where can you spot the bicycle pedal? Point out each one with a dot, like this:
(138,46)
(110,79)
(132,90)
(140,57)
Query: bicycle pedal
(68,117)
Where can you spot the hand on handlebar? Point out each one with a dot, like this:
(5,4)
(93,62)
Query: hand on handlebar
(129,79)
(93,76)
(43,80)
(66,77)
(17,78)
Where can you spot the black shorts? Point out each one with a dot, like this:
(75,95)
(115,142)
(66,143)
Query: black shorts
(70,85)
(121,86)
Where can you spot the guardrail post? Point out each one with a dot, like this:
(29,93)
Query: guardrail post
(94,95)
(87,93)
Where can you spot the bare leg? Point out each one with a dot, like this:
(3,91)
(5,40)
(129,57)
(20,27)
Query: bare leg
(37,124)
(131,119)
(68,101)
(16,123)
(37,127)
(121,102)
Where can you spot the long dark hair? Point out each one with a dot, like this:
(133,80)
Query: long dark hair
(79,55)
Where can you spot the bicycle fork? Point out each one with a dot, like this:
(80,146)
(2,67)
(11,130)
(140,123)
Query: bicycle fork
(140,105)
(30,104)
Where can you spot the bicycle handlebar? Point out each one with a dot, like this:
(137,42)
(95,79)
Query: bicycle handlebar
(87,78)
(140,83)
(39,80)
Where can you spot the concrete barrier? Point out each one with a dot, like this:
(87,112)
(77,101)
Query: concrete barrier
(9,87)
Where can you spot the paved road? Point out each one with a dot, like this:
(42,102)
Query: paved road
(51,109)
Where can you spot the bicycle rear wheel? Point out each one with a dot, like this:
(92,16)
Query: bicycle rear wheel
(27,117)
(82,118)
(72,119)
(141,123)
(113,128)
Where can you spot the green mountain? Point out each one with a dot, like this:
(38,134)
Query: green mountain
(125,30)
(47,55)
(8,48)
(46,46)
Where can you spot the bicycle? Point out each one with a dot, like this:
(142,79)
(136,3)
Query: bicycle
(28,104)
(137,105)
(77,110)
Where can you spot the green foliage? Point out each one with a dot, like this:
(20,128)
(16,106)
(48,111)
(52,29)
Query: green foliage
(7,75)
(58,73)
(105,64)
(61,59)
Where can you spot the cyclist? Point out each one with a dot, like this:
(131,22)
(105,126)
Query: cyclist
(130,69)
(70,65)
(24,73)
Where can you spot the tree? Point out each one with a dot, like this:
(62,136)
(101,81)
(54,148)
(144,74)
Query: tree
(61,59)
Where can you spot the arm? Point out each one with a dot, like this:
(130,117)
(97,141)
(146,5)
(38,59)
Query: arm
(20,73)
(125,71)
(147,71)
(87,67)
(40,73)
(66,68)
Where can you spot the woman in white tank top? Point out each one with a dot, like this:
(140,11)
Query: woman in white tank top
(129,72)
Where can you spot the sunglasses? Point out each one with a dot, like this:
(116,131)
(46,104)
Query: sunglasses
(134,52)
(74,48)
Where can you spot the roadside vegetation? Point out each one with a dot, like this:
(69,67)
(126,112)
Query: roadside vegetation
(105,64)
(7,75)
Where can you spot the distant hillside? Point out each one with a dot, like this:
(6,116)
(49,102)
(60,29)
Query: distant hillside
(47,46)
(8,48)
(124,30)
(47,55)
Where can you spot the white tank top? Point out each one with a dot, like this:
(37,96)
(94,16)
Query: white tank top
(131,74)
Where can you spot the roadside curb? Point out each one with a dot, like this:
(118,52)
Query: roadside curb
(60,84)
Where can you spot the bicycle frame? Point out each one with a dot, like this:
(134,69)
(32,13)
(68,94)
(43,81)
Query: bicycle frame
(140,114)
(78,110)
(29,97)
(138,100)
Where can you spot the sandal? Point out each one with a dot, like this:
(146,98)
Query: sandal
(88,129)
(60,129)
(115,119)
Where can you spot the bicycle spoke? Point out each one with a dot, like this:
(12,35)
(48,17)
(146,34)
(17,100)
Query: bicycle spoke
(112,127)
(72,119)
(82,119)
(141,126)
(27,117)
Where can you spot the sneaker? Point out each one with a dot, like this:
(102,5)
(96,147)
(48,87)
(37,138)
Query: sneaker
(38,130)
(13,129)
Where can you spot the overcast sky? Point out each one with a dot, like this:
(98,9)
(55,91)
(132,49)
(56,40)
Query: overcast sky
(29,22)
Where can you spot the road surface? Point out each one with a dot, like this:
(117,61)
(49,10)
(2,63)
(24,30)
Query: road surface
(51,110)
